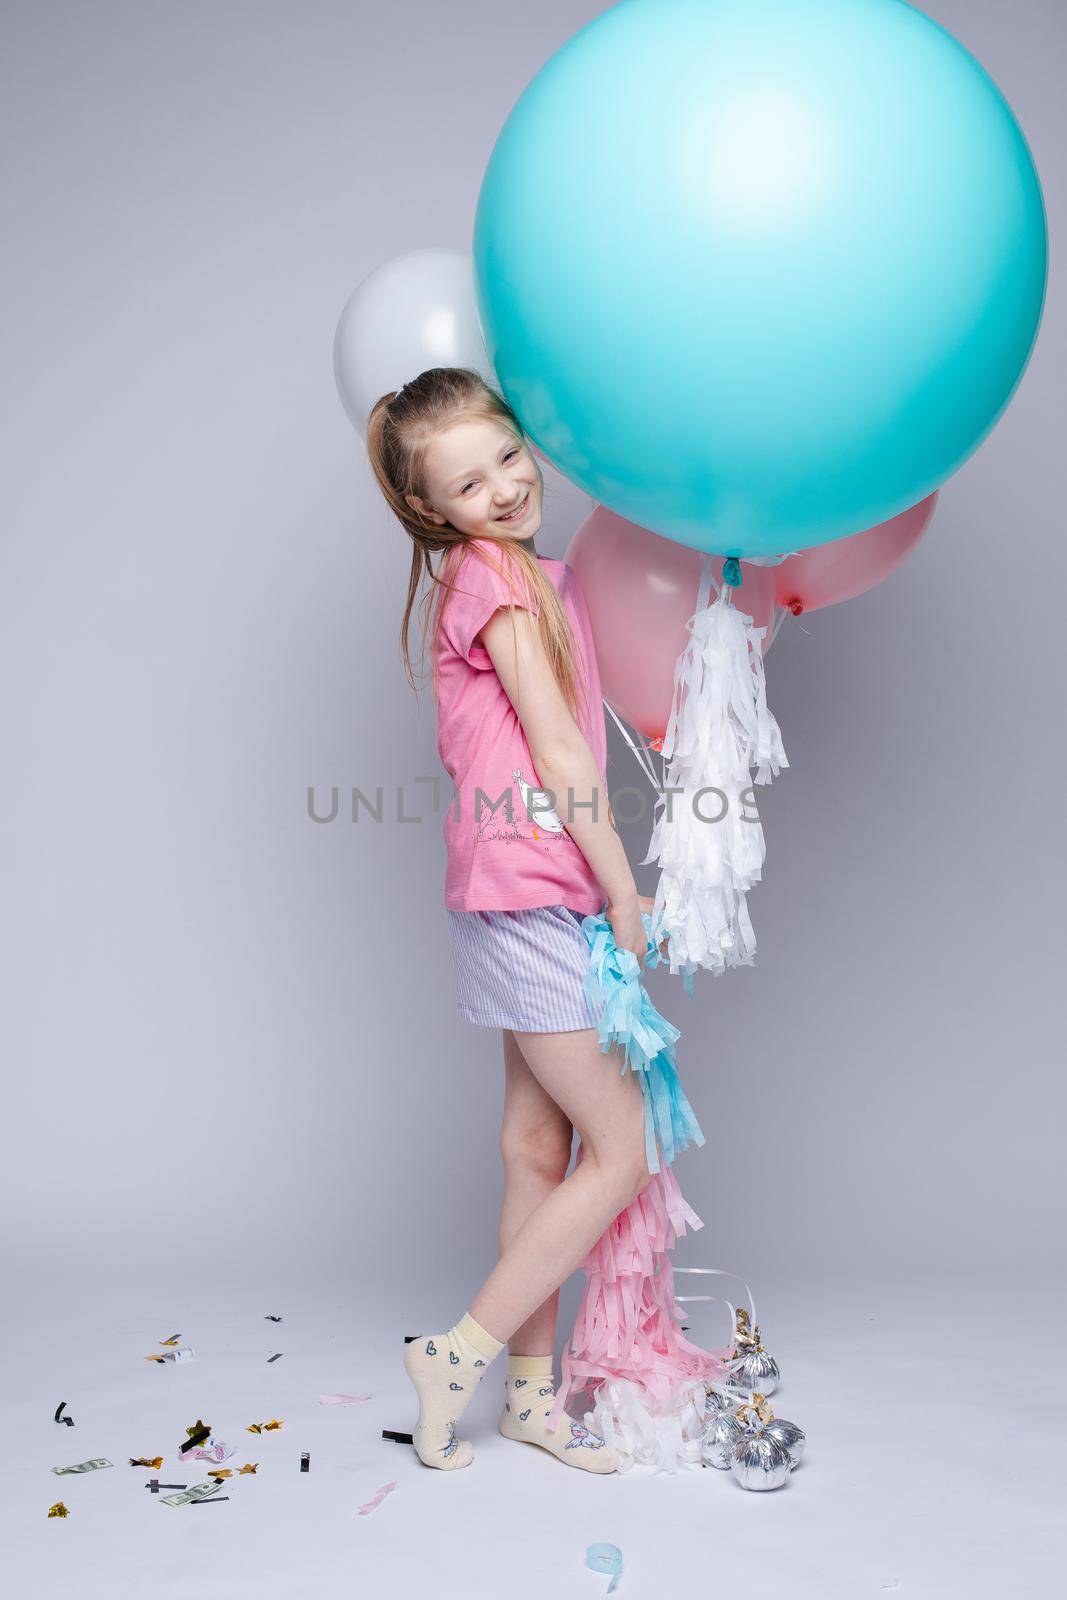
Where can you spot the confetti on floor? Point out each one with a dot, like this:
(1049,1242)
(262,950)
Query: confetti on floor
(376,1499)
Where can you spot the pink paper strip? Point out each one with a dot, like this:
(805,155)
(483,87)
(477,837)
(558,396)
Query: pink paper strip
(628,1324)
(375,1501)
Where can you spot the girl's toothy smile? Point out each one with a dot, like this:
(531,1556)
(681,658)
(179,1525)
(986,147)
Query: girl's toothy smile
(513,516)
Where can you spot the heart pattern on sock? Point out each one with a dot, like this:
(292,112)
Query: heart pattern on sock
(441,1401)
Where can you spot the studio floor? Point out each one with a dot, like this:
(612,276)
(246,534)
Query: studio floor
(933,1461)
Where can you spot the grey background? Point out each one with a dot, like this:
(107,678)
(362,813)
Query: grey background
(232,1054)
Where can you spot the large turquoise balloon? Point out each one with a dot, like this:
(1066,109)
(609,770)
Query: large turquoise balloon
(758,274)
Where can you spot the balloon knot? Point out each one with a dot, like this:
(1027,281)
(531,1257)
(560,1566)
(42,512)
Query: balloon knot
(731,572)
(796,607)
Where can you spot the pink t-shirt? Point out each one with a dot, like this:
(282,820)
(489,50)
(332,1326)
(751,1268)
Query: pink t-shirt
(507,848)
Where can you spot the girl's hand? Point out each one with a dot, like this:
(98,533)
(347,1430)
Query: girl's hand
(628,928)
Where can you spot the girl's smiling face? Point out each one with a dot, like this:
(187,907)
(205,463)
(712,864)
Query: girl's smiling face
(476,473)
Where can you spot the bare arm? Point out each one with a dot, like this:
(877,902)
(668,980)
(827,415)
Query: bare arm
(565,764)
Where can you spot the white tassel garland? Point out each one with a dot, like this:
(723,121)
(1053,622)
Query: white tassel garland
(640,1435)
(710,844)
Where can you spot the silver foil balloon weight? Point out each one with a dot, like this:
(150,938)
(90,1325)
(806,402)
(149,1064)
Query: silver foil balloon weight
(757,1418)
(720,1402)
(753,1370)
(789,1436)
(760,1462)
(721,1437)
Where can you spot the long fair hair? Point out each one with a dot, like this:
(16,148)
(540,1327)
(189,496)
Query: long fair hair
(398,430)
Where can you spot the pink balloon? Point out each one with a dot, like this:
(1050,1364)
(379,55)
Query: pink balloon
(829,573)
(641,590)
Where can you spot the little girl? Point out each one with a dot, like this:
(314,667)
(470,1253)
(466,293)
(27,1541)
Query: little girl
(531,849)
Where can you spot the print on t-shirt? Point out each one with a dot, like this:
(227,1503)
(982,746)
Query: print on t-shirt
(540,818)
(543,815)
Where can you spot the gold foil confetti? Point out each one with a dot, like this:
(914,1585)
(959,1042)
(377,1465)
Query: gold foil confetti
(249,1466)
(58,1510)
(264,1427)
(197,1434)
(155,1462)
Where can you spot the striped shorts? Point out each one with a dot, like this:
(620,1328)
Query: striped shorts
(522,969)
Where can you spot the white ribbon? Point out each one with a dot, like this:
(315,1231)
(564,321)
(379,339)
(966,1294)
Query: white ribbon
(718,1272)
(781,612)
(641,751)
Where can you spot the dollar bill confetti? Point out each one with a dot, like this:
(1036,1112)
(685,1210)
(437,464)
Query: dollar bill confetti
(186,1353)
(264,1427)
(84,1466)
(342,1399)
(155,1462)
(376,1499)
(199,1491)
(58,1510)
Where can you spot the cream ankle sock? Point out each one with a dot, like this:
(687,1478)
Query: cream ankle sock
(528,1396)
(446,1368)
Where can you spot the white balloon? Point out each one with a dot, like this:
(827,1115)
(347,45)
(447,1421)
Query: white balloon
(416,311)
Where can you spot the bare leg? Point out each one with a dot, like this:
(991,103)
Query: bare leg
(606,1107)
(535,1145)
